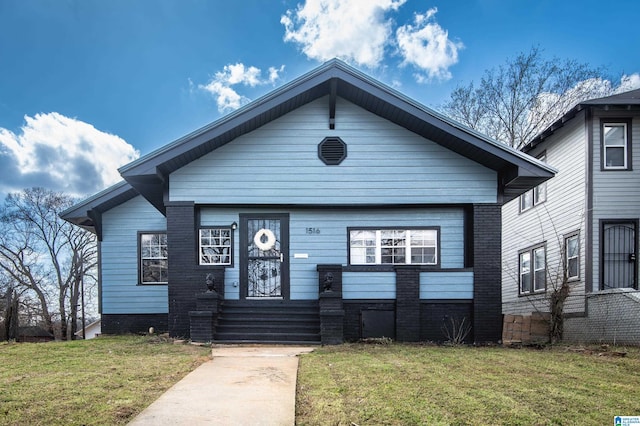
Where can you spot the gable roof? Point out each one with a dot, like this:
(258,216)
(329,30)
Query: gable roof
(149,175)
(625,101)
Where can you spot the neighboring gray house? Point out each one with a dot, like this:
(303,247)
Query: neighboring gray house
(586,218)
(331,209)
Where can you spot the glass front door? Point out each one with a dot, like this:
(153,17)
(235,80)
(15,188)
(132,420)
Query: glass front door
(265,266)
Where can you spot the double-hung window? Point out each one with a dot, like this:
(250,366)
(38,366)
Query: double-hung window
(532,270)
(393,246)
(572,256)
(616,145)
(154,264)
(215,247)
(536,195)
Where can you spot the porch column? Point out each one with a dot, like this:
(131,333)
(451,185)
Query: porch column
(331,307)
(184,281)
(407,303)
(487,292)
(205,318)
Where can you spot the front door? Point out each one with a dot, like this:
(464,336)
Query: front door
(265,256)
(619,255)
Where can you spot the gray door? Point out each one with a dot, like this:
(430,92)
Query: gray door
(618,255)
(265,266)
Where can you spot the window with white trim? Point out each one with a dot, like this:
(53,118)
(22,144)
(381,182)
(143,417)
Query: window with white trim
(615,146)
(534,196)
(532,270)
(215,246)
(154,264)
(393,246)
(572,256)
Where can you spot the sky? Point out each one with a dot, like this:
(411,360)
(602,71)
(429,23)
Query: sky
(87,86)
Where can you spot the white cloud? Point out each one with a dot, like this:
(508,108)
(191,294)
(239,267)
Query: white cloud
(629,82)
(354,31)
(426,45)
(63,154)
(221,84)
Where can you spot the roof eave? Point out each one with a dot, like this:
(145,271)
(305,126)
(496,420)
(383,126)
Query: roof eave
(87,213)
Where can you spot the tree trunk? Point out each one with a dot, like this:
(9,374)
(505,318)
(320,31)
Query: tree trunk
(10,325)
(556,301)
(46,316)
(72,326)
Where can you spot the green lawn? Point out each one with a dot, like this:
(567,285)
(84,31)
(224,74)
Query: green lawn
(431,385)
(104,381)
(109,380)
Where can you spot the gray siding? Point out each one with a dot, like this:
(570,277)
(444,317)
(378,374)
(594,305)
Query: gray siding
(566,204)
(121,293)
(616,193)
(386,164)
(329,246)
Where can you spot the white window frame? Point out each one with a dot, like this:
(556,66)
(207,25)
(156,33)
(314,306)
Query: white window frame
(373,248)
(572,257)
(535,196)
(216,246)
(153,255)
(533,270)
(624,145)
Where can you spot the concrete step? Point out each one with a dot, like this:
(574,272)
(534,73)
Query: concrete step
(264,337)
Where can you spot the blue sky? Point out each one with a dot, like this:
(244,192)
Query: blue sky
(87,86)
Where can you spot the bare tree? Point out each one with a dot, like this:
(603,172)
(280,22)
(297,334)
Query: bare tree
(44,255)
(516,101)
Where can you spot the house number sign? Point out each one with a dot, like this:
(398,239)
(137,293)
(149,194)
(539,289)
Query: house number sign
(313,231)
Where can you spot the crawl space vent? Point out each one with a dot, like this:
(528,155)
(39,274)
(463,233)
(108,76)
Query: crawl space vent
(332,151)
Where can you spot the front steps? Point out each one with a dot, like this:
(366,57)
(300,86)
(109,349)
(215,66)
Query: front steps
(269,321)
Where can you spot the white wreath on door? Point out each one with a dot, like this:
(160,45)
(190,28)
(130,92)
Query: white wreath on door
(268,243)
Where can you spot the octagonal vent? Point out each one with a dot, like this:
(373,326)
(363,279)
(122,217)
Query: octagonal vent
(332,151)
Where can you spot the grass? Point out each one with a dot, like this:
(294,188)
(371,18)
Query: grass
(111,379)
(103,381)
(433,385)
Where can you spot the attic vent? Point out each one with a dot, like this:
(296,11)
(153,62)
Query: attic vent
(332,151)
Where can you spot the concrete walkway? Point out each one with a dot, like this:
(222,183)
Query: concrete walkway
(242,385)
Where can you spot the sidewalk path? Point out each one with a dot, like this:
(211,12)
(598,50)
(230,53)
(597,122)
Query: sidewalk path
(242,385)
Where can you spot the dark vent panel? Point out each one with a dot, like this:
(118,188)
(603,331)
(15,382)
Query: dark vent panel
(332,151)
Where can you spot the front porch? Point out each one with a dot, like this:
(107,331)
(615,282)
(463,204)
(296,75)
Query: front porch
(331,319)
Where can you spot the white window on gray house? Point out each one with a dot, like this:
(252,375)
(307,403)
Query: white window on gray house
(393,246)
(215,246)
(532,270)
(572,253)
(154,264)
(536,195)
(615,146)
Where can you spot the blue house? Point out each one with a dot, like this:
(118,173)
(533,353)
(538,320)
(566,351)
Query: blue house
(333,208)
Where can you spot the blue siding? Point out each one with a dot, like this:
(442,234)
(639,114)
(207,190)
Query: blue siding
(386,164)
(121,293)
(330,245)
(446,285)
(369,285)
